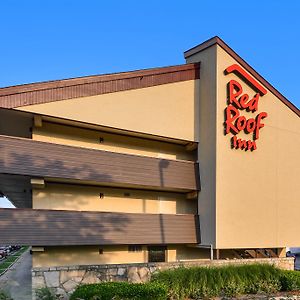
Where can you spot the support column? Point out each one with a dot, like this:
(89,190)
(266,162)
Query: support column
(281,252)
(217,254)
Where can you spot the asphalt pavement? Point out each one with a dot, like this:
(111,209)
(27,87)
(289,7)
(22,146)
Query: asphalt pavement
(17,280)
(297,262)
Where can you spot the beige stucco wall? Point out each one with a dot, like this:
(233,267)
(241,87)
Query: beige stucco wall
(80,137)
(89,255)
(86,198)
(258,193)
(247,199)
(166,110)
(205,133)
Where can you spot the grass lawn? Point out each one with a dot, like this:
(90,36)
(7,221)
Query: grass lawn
(10,259)
(5,264)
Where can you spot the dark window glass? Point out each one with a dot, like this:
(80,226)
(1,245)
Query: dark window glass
(157,253)
(135,248)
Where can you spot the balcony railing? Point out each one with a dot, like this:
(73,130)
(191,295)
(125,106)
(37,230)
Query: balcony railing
(56,227)
(21,156)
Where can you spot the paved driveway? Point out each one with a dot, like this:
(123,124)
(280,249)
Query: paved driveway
(297,262)
(17,280)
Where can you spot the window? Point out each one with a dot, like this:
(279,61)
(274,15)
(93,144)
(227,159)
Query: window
(157,253)
(134,248)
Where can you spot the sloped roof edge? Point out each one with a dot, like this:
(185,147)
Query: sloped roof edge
(217,40)
(49,91)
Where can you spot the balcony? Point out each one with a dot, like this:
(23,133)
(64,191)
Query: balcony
(57,228)
(25,157)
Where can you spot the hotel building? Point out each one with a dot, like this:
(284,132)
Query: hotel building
(171,164)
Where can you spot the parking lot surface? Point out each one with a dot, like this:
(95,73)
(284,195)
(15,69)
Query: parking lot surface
(17,280)
(297,263)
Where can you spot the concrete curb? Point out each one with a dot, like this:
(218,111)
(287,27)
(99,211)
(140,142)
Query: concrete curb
(12,264)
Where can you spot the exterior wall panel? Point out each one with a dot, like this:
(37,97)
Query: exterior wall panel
(86,198)
(52,228)
(87,138)
(26,157)
(165,110)
(89,255)
(205,134)
(258,203)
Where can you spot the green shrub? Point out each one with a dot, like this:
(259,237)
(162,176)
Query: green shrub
(120,290)
(290,280)
(205,282)
(44,294)
(4,296)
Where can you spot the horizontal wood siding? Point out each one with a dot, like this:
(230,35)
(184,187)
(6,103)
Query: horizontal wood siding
(53,228)
(22,156)
(44,92)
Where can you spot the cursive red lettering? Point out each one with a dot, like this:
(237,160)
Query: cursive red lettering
(243,101)
(253,103)
(233,141)
(232,114)
(235,90)
(242,144)
(251,145)
(259,125)
(235,122)
(241,123)
(251,124)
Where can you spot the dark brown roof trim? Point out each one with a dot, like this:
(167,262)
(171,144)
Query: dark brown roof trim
(37,93)
(216,40)
(60,227)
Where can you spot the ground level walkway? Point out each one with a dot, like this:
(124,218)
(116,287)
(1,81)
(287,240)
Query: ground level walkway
(297,263)
(17,280)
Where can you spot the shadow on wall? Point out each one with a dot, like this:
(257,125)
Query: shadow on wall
(52,161)
(65,134)
(111,199)
(87,255)
(44,227)
(162,165)
(39,159)
(51,228)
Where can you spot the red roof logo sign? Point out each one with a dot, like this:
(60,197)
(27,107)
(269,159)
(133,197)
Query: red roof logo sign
(237,101)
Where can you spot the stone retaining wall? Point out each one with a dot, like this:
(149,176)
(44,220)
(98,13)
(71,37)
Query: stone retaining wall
(64,280)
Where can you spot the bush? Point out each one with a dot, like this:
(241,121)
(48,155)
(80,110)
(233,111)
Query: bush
(204,282)
(290,280)
(44,294)
(4,296)
(120,290)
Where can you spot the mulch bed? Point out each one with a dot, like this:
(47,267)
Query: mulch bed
(277,296)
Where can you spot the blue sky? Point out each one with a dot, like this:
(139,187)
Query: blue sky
(54,39)
(5,203)
(51,39)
